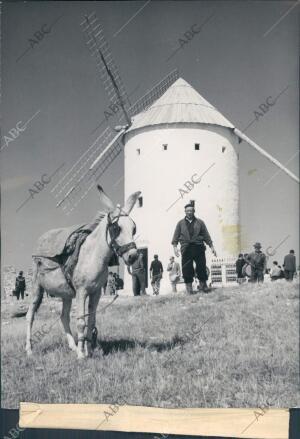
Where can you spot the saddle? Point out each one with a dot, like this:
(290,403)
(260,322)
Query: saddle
(62,246)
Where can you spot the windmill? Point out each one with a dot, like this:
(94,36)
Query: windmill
(91,165)
(169,132)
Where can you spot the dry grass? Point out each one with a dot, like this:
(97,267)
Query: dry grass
(247,353)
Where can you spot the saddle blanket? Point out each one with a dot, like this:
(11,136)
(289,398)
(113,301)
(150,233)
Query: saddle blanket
(53,242)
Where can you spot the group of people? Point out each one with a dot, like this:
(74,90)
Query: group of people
(257,260)
(156,273)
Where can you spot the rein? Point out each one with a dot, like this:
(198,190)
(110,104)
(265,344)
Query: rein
(113,229)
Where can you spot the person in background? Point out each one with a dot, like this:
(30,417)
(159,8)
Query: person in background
(111,284)
(156,272)
(138,276)
(282,276)
(239,263)
(275,272)
(174,273)
(119,283)
(258,262)
(20,286)
(289,266)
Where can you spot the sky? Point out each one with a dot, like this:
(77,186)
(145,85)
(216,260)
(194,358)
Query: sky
(245,53)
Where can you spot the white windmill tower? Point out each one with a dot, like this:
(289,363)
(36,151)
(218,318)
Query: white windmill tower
(177,147)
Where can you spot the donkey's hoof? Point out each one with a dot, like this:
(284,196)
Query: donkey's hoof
(80,355)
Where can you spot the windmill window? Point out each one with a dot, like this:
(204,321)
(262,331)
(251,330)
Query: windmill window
(138,151)
(165,146)
(223,148)
(140,202)
(197,146)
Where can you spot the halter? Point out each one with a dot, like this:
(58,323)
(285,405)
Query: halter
(113,229)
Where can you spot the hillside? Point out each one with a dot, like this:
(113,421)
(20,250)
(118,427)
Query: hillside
(234,347)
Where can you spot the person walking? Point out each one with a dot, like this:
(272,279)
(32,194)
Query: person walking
(258,262)
(174,273)
(20,286)
(239,263)
(289,266)
(192,234)
(156,272)
(138,276)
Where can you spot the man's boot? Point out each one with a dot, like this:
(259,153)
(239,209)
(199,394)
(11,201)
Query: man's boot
(189,288)
(203,286)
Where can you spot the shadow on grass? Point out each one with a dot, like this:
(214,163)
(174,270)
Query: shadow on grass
(122,345)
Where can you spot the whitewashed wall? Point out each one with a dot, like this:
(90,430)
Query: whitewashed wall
(159,174)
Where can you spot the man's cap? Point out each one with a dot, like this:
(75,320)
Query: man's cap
(156,256)
(257,245)
(189,205)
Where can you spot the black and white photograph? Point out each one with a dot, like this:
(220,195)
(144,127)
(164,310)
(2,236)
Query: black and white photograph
(150,204)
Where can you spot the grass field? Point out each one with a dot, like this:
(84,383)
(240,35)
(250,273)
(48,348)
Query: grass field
(234,347)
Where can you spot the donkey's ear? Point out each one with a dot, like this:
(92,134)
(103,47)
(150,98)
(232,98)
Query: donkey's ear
(131,202)
(105,200)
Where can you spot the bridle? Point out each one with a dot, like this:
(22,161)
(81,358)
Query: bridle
(113,230)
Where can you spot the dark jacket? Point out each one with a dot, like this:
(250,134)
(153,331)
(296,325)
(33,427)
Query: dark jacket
(257,260)
(156,267)
(290,262)
(239,267)
(199,236)
(138,265)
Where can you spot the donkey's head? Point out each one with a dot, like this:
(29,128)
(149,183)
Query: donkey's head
(120,229)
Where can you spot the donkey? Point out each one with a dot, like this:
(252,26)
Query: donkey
(113,234)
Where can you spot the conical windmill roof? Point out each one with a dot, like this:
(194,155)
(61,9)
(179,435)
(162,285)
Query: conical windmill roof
(181,103)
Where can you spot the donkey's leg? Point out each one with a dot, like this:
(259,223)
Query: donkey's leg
(81,296)
(65,319)
(93,303)
(37,296)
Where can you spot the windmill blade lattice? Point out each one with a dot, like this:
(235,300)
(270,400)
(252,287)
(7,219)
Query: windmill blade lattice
(80,179)
(107,68)
(155,93)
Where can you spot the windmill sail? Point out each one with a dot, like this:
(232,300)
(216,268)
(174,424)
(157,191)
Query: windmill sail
(155,93)
(108,70)
(268,156)
(80,178)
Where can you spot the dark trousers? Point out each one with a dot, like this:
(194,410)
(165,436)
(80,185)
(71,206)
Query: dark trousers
(256,275)
(289,275)
(20,293)
(138,283)
(194,253)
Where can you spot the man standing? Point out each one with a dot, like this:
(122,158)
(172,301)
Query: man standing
(258,262)
(156,271)
(239,263)
(138,276)
(191,233)
(289,265)
(20,286)
(174,273)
